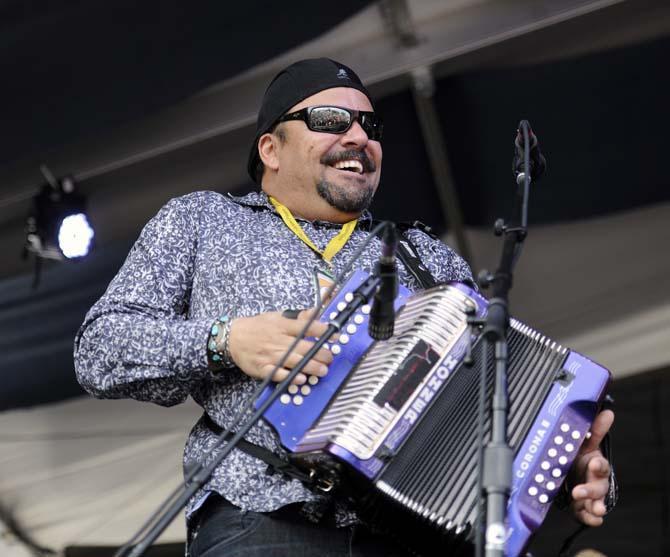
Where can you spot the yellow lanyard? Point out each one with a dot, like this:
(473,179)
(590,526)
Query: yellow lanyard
(335,245)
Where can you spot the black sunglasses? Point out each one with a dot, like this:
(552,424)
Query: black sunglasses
(335,119)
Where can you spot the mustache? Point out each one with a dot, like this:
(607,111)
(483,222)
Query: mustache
(361,156)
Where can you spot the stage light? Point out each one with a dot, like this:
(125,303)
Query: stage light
(75,236)
(57,226)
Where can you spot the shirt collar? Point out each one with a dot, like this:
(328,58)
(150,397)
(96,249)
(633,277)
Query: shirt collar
(259,200)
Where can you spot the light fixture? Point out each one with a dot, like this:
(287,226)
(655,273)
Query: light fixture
(58,227)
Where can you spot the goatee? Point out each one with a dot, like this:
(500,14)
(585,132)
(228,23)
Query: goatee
(347,200)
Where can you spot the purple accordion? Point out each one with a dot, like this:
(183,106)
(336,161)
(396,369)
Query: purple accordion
(394,422)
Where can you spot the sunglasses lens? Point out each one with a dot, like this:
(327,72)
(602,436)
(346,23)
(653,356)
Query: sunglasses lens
(329,119)
(372,125)
(332,119)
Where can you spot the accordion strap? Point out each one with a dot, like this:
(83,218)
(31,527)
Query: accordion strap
(275,463)
(408,254)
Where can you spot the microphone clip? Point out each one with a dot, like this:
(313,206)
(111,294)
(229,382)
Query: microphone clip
(537,163)
(382,314)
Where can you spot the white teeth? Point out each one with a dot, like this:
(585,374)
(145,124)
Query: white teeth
(353,164)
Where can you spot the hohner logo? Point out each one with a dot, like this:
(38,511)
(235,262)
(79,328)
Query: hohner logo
(529,456)
(430,389)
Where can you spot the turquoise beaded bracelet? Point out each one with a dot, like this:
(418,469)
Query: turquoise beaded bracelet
(217,344)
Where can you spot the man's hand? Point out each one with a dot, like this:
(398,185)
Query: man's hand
(592,470)
(258,343)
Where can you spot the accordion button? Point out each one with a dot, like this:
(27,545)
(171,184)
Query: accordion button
(305,390)
(333,315)
(312,379)
(366,309)
(285,399)
(552,452)
(341,305)
(539,478)
(569,447)
(543,498)
(563,460)
(297,400)
(344,338)
(351,329)
(565,428)
(551,486)
(558,440)
(545,465)
(556,472)
(292,389)
(576,435)
(348,296)
(358,319)
(532,491)
(336,349)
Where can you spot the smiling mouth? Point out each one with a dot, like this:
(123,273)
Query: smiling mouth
(352,166)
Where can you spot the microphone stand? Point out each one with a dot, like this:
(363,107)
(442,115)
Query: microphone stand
(360,296)
(498,456)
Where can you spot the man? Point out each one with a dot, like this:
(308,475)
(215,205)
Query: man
(198,309)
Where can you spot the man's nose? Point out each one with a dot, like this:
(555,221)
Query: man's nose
(355,135)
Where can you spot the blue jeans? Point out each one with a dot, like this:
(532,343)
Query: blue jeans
(223,530)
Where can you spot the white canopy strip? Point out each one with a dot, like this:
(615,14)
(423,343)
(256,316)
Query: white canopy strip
(90,472)
(598,286)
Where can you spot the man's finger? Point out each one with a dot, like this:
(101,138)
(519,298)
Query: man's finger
(306,314)
(592,490)
(290,313)
(598,508)
(313,367)
(294,327)
(323,356)
(598,467)
(601,425)
(595,490)
(588,518)
(589,512)
(282,373)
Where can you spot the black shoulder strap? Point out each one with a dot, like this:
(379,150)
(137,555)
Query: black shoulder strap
(410,258)
(274,462)
(408,254)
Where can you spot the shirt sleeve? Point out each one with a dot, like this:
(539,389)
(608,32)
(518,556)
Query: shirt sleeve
(136,341)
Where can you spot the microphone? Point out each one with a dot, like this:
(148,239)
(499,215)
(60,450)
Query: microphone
(537,162)
(382,314)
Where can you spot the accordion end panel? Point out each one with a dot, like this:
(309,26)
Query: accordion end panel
(548,450)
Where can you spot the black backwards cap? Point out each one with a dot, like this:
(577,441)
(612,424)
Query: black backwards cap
(293,84)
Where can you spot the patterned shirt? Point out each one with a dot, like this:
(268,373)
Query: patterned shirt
(204,255)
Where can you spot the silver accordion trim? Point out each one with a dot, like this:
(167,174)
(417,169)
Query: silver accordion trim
(353,420)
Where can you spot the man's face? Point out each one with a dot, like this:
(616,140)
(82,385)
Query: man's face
(313,164)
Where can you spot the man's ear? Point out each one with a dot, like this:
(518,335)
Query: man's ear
(267,150)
